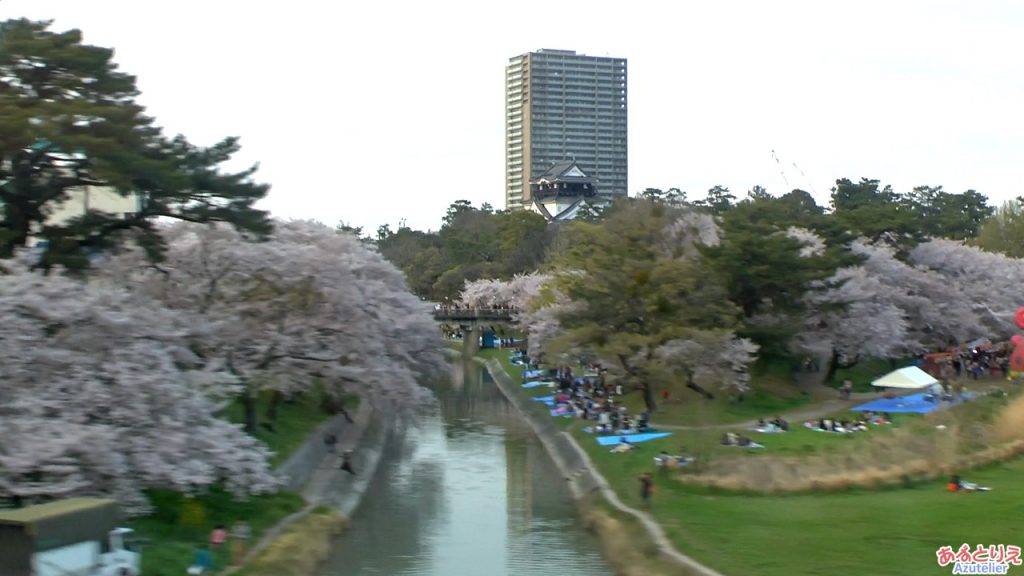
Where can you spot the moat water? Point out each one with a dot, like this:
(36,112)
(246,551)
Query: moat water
(469,492)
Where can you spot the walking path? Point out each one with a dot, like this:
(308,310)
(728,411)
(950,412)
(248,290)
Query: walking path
(815,410)
(656,532)
(825,400)
(327,483)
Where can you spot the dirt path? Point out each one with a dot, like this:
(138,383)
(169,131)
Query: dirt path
(813,411)
(825,400)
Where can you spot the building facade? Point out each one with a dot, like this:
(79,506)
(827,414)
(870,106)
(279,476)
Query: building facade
(84,199)
(559,193)
(562,106)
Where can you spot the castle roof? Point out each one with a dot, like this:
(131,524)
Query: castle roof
(567,171)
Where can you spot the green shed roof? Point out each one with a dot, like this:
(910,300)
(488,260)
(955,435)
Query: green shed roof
(32,514)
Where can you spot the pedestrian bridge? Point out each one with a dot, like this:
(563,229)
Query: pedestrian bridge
(475,315)
(471,322)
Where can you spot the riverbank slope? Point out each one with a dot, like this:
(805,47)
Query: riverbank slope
(302,541)
(615,524)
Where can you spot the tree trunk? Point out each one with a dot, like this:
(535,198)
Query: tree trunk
(17,231)
(249,408)
(276,398)
(696,388)
(833,366)
(648,397)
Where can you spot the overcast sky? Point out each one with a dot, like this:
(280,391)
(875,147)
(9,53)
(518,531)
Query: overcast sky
(373,112)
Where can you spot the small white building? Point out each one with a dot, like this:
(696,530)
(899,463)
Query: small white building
(86,198)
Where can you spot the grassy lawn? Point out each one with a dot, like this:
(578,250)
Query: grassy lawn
(866,371)
(894,531)
(296,420)
(179,525)
(798,441)
(516,372)
(891,531)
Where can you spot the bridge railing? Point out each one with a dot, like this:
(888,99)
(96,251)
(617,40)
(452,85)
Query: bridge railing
(483,313)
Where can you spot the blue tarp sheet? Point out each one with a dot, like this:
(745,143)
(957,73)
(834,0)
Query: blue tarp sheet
(538,383)
(533,373)
(633,438)
(912,403)
(543,398)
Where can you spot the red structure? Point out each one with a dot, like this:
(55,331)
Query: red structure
(1017,358)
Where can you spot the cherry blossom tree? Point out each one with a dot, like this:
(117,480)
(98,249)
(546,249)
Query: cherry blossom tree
(853,318)
(515,293)
(102,394)
(939,312)
(811,243)
(308,303)
(534,302)
(990,282)
(711,359)
(885,307)
(633,293)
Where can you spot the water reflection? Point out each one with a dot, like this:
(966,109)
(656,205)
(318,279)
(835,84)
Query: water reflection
(469,492)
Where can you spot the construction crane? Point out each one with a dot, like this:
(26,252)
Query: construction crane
(783,172)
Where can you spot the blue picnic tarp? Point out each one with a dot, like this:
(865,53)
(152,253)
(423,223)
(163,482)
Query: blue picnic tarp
(533,373)
(921,403)
(632,438)
(538,383)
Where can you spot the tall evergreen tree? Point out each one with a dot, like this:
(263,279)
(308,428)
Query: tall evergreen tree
(68,118)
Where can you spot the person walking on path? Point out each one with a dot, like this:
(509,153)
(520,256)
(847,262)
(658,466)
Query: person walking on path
(847,389)
(346,462)
(331,441)
(646,487)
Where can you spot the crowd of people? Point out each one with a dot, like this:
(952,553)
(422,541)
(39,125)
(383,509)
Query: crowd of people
(591,399)
(978,359)
(844,425)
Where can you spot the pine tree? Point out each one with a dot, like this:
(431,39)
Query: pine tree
(68,118)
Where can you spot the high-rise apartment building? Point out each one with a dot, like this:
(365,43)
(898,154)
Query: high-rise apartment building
(560,105)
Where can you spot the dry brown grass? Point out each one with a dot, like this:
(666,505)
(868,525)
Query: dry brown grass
(301,548)
(941,444)
(1010,422)
(628,554)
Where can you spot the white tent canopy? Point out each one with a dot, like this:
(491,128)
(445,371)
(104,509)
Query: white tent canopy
(909,377)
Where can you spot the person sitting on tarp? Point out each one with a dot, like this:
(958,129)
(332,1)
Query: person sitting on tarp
(782,424)
(623,446)
(957,485)
(729,439)
(666,460)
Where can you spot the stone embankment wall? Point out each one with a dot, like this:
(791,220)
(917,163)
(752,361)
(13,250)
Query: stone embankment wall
(561,447)
(313,470)
(584,479)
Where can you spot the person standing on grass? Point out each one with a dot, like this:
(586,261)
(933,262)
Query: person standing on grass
(240,535)
(646,487)
(218,537)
